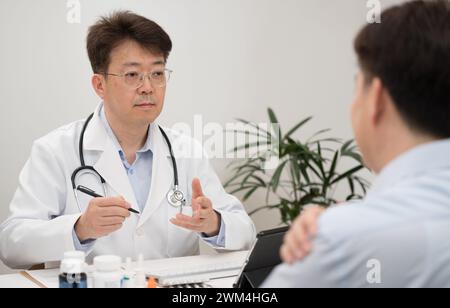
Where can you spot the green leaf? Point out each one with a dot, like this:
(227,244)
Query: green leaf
(246,178)
(272,116)
(249,193)
(350,150)
(319,161)
(355,156)
(244,170)
(245,146)
(319,149)
(274,120)
(318,133)
(326,183)
(270,207)
(349,197)
(351,185)
(346,174)
(333,164)
(253,185)
(255,126)
(302,170)
(335,140)
(238,175)
(295,170)
(314,170)
(296,127)
(305,175)
(261,181)
(362,184)
(276,176)
(254,177)
(346,145)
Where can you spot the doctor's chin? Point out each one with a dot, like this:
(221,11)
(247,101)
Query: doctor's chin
(259,150)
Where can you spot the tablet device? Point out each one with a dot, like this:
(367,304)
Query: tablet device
(263,257)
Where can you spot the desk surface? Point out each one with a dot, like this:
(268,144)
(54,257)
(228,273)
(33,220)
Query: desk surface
(16,281)
(49,277)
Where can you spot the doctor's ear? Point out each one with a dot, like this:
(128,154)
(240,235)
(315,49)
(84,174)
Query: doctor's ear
(98,83)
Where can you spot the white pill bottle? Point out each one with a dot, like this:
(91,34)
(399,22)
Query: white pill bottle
(108,273)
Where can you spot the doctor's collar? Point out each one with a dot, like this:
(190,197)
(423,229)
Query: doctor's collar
(148,145)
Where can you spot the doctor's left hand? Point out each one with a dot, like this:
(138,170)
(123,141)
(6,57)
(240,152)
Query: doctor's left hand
(204,218)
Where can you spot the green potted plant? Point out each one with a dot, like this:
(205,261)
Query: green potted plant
(306,172)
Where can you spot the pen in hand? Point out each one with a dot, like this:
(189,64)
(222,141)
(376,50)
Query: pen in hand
(92,193)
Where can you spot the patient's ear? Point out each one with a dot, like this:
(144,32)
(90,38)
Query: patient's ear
(376,101)
(98,83)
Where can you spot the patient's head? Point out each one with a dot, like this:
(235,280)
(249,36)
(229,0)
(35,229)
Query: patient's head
(402,95)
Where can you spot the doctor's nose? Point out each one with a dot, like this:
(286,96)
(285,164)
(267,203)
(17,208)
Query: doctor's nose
(147,86)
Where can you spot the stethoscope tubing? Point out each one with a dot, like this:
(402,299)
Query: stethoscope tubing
(177,202)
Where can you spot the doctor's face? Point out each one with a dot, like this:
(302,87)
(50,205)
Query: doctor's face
(127,100)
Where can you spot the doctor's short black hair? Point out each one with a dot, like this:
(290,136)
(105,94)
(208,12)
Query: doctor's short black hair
(410,52)
(110,31)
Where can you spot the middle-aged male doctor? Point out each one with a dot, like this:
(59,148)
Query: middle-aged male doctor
(132,154)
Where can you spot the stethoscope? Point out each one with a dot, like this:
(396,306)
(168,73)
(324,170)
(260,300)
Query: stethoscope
(174,196)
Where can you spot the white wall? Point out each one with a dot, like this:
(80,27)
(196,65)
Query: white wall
(226,54)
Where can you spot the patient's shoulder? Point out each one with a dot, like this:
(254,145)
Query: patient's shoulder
(349,220)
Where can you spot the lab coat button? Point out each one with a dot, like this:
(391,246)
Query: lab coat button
(139,232)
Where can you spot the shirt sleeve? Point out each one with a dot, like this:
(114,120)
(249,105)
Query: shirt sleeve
(219,239)
(82,246)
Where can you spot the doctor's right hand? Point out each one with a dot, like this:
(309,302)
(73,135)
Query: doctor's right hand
(102,217)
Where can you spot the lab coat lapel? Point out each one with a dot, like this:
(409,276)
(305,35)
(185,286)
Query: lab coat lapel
(111,168)
(162,175)
(108,164)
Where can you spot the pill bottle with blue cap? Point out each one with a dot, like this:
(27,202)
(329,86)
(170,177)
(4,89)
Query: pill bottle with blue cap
(72,274)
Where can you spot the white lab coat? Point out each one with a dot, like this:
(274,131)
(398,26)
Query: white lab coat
(44,210)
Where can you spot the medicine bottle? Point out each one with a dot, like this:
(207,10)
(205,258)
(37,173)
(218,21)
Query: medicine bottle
(72,274)
(107,272)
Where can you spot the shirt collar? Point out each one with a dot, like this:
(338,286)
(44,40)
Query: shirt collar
(420,160)
(148,146)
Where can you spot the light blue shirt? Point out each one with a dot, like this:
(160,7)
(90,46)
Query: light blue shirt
(398,236)
(140,172)
(140,176)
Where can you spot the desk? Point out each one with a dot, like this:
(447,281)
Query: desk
(49,277)
(16,281)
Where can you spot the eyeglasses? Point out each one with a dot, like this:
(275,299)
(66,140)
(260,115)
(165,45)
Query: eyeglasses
(158,78)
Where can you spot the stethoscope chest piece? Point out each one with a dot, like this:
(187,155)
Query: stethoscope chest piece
(175,197)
